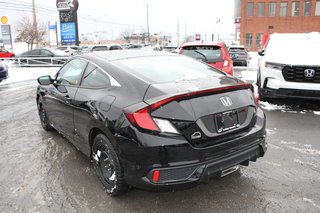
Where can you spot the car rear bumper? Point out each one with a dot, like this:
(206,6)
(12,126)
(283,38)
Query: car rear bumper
(182,166)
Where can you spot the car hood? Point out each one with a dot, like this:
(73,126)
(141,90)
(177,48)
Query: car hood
(293,59)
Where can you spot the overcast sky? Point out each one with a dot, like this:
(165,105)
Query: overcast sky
(199,16)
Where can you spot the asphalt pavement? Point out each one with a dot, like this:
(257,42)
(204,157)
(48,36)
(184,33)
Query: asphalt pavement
(42,172)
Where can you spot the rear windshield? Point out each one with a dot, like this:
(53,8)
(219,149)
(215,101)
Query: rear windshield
(205,53)
(161,69)
(237,49)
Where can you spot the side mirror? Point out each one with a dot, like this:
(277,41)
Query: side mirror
(261,52)
(45,80)
(234,56)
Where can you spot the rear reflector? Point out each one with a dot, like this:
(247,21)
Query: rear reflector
(156,176)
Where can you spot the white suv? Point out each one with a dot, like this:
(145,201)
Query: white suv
(289,66)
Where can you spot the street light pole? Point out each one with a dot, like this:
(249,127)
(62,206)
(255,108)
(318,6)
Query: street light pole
(148,24)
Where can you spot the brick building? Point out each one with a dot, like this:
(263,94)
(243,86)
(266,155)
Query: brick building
(259,17)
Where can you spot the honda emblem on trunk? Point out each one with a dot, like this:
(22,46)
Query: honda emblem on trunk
(309,73)
(226,101)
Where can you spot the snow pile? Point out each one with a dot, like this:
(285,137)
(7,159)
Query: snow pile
(268,106)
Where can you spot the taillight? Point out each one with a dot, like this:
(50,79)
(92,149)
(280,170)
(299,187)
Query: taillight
(225,65)
(143,120)
(255,96)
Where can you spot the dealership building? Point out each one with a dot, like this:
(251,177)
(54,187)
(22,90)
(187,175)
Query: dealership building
(256,18)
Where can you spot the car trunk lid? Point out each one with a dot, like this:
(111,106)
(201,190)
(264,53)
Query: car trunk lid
(202,112)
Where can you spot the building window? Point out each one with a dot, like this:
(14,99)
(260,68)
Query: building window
(283,8)
(307,8)
(258,39)
(272,9)
(317,12)
(250,9)
(295,8)
(261,6)
(248,40)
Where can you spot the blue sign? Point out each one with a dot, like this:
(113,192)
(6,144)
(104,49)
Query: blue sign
(68,33)
(52,27)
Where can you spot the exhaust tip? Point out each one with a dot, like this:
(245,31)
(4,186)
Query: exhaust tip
(229,170)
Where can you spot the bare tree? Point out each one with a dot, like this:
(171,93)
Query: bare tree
(127,34)
(30,34)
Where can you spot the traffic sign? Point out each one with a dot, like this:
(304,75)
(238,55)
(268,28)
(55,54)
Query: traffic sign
(4,20)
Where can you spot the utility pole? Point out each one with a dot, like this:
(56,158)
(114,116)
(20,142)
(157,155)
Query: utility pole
(148,24)
(178,35)
(185,32)
(34,25)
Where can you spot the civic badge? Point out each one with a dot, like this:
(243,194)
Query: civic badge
(226,101)
(309,73)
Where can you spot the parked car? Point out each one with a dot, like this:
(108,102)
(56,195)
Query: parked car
(153,120)
(4,71)
(135,46)
(71,50)
(289,67)
(125,46)
(240,53)
(6,54)
(214,53)
(95,48)
(42,56)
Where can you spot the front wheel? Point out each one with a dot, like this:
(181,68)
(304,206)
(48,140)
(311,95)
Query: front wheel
(107,166)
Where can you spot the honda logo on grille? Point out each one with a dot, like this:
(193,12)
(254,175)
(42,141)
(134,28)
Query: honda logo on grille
(309,73)
(226,101)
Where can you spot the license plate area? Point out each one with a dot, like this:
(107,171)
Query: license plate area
(226,121)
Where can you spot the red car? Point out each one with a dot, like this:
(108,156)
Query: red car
(213,53)
(6,54)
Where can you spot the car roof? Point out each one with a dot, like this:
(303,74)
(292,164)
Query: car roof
(125,54)
(203,43)
(236,46)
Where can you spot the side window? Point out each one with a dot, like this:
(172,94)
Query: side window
(100,48)
(115,47)
(95,77)
(34,52)
(45,53)
(70,74)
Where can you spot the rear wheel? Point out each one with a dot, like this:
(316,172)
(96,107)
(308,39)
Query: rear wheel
(44,119)
(107,166)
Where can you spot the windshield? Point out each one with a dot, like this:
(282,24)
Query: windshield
(205,53)
(161,69)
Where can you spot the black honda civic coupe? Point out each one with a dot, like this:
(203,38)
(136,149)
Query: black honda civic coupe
(152,120)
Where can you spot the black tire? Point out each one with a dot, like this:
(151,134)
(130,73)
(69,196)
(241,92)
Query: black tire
(108,166)
(44,119)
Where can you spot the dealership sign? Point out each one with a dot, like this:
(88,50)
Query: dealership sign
(68,33)
(67,5)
